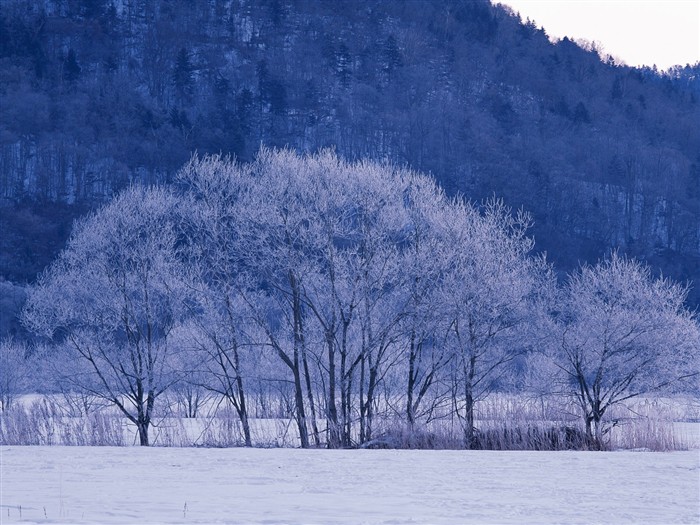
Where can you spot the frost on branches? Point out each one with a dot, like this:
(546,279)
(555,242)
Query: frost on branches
(357,293)
(114,296)
(619,334)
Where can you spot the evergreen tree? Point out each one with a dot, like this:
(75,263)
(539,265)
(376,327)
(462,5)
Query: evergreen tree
(182,74)
(71,68)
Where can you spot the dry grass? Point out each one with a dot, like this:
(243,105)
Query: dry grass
(503,422)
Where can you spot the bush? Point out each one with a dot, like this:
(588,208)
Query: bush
(533,438)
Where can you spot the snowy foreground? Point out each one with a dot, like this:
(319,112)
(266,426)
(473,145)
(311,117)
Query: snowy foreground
(186,485)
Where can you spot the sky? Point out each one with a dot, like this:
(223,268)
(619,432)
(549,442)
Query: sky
(639,32)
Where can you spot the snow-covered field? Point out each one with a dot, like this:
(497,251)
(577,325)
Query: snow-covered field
(194,485)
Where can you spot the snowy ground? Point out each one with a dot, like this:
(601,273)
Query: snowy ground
(190,485)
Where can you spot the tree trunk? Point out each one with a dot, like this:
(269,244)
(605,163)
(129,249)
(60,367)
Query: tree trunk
(142,429)
(143,413)
(243,412)
(347,432)
(143,436)
(332,410)
(310,395)
(345,389)
(363,434)
(299,402)
(470,441)
(297,315)
(373,372)
(344,399)
(410,387)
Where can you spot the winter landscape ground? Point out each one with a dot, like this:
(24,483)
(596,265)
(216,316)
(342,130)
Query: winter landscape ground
(175,485)
(187,478)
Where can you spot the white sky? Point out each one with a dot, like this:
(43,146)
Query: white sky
(640,32)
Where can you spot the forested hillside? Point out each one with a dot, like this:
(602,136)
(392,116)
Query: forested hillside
(99,94)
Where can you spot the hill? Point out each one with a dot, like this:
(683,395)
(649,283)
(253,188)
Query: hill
(97,95)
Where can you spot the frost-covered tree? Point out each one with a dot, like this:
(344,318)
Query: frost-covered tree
(14,371)
(618,334)
(364,279)
(425,262)
(191,395)
(252,254)
(312,251)
(322,235)
(215,188)
(278,228)
(488,293)
(114,296)
(362,268)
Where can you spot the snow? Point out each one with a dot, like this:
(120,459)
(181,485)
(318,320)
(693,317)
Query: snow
(236,485)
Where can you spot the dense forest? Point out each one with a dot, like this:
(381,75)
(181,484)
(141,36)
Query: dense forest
(98,95)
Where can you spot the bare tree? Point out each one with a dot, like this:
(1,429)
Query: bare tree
(14,371)
(191,394)
(250,227)
(114,295)
(356,295)
(215,188)
(486,300)
(426,262)
(619,333)
(309,250)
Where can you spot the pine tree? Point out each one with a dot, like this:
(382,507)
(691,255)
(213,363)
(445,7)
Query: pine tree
(71,68)
(182,74)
